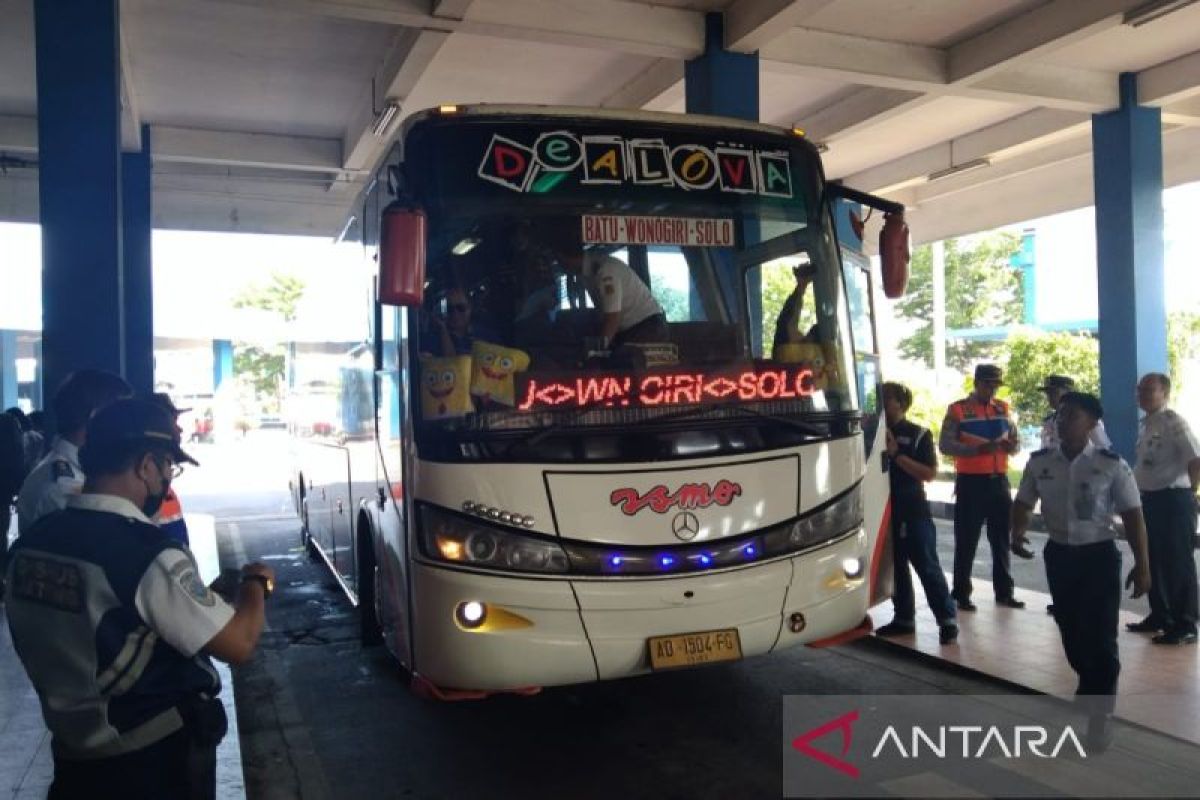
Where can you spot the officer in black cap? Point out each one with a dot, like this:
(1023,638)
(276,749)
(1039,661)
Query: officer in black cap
(115,628)
(1054,387)
(1080,488)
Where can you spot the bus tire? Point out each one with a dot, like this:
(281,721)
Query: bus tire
(369,631)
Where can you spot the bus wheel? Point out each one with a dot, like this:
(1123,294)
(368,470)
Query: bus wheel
(370,634)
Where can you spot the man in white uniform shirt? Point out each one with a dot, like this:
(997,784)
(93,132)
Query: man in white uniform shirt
(1054,387)
(1168,474)
(1080,488)
(631,314)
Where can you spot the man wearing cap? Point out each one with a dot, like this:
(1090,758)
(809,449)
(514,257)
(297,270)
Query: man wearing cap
(170,516)
(1168,474)
(1080,487)
(1054,387)
(115,628)
(979,432)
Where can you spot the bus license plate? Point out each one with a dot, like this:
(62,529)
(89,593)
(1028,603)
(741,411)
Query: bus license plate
(692,649)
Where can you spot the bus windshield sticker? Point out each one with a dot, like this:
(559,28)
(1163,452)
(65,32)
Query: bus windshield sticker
(681,231)
(663,389)
(611,159)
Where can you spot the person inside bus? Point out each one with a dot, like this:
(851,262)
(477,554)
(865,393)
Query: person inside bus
(787,326)
(629,312)
(455,331)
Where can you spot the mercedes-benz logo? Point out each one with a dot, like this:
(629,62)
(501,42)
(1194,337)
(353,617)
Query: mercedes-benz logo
(685,526)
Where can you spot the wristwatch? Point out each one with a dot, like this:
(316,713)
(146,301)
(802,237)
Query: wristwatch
(267,584)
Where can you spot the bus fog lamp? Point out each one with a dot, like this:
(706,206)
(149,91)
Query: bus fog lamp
(471,613)
(852,567)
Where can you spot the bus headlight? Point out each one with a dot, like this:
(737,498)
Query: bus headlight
(843,514)
(450,537)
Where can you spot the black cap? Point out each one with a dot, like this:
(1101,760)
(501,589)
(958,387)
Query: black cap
(989,372)
(135,421)
(163,400)
(1088,403)
(1057,382)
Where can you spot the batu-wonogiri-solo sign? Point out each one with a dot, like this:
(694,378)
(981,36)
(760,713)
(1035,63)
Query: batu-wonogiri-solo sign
(663,389)
(609,159)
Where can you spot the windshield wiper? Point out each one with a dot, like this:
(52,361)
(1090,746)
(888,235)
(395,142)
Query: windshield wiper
(800,425)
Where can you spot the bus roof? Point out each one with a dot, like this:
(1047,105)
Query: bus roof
(624,115)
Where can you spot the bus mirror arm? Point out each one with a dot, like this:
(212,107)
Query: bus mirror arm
(894,252)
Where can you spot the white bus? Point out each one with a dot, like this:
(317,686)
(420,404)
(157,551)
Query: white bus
(534,503)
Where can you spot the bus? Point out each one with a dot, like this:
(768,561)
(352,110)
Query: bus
(538,503)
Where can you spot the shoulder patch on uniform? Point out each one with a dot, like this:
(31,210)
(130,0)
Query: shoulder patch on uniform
(185,574)
(61,468)
(1104,451)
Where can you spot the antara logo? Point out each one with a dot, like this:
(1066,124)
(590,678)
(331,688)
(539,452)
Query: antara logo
(660,499)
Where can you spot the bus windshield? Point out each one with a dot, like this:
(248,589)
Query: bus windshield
(558,298)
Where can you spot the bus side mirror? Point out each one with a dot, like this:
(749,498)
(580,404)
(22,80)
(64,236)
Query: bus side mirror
(402,256)
(894,255)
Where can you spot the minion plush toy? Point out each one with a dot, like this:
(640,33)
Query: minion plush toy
(445,387)
(492,370)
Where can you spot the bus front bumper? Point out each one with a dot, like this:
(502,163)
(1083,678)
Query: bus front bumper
(553,631)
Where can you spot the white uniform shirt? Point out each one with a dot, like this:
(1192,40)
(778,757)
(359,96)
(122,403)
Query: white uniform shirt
(1079,497)
(48,485)
(1165,445)
(1098,437)
(171,598)
(616,289)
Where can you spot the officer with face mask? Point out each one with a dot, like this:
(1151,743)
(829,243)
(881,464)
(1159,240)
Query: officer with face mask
(115,628)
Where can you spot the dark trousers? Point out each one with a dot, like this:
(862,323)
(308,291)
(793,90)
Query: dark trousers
(1171,530)
(1085,585)
(182,766)
(979,499)
(913,542)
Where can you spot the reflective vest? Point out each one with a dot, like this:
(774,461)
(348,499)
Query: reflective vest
(979,423)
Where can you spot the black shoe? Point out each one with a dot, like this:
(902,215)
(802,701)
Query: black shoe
(948,633)
(1099,733)
(964,604)
(894,628)
(1175,637)
(1145,626)
(1010,602)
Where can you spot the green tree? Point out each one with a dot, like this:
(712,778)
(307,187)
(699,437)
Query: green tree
(982,289)
(1033,354)
(1183,341)
(265,367)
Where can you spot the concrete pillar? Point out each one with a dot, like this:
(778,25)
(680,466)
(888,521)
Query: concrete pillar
(79,183)
(720,82)
(137,286)
(222,363)
(939,311)
(1127,164)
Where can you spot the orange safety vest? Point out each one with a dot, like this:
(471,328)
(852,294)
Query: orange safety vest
(979,423)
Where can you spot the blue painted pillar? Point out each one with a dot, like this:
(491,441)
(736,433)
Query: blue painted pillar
(222,362)
(137,284)
(725,84)
(79,181)
(720,82)
(1127,162)
(8,369)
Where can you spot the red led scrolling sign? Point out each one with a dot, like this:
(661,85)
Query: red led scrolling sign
(661,389)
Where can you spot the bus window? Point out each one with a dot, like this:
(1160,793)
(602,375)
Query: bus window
(674,286)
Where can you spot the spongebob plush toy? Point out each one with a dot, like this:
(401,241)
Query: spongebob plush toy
(492,371)
(812,355)
(445,387)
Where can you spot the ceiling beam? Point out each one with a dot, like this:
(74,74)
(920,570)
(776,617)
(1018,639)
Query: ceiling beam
(1025,132)
(647,86)
(225,148)
(1171,81)
(860,109)
(1031,35)
(18,135)
(409,57)
(449,9)
(854,59)
(750,24)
